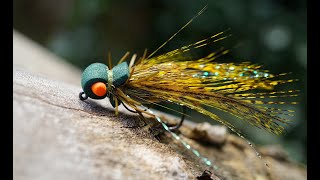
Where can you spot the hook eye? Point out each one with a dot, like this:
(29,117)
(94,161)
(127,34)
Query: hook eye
(82,96)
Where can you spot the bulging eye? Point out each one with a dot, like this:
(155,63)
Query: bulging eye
(99,89)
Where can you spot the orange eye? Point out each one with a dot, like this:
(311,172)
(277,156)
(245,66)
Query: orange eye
(99,88)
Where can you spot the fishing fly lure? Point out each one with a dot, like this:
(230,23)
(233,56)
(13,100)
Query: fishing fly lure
(198,84)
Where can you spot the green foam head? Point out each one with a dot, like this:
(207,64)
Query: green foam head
(96,72)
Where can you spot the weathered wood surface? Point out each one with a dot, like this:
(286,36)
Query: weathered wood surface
(57,136)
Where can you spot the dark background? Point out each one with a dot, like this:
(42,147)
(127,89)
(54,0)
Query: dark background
(272,33)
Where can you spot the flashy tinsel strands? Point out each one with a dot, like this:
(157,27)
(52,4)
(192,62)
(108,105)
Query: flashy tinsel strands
(161,84)
(185,144)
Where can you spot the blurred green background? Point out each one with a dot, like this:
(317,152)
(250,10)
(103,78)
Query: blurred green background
(268,32)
